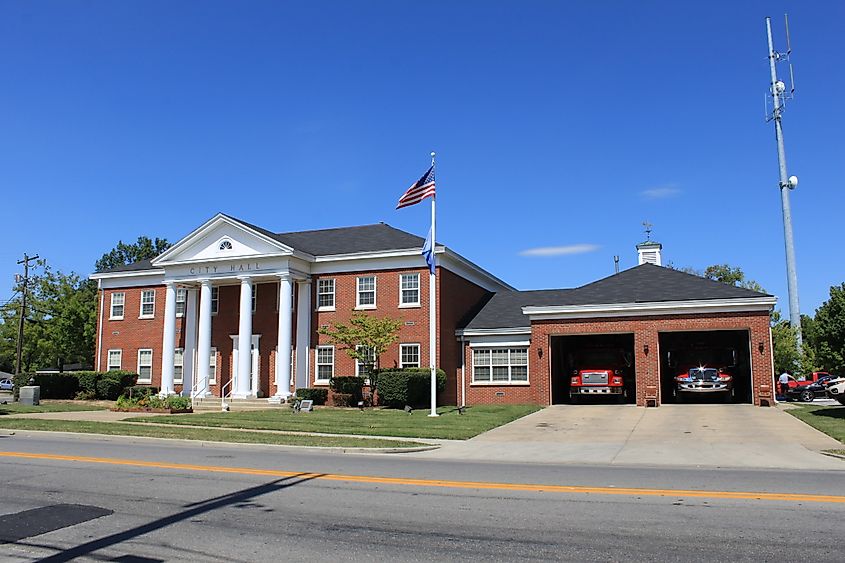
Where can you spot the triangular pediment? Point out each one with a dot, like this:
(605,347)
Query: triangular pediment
(222,238)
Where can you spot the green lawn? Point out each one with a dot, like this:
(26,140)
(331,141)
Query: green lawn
(830,420)
(55,406)
(370,422)
(205,434)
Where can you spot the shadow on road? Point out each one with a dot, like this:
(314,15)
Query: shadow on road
(193,510)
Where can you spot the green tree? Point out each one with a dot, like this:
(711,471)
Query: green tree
(365,338)
(60,321)
(828,331)
(784,345)
(124,254)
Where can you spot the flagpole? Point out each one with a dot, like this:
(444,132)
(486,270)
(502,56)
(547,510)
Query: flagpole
(432,308)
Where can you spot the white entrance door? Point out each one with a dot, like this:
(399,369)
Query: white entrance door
(253,376)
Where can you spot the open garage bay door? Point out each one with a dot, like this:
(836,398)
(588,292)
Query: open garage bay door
(598,360)
(707,361)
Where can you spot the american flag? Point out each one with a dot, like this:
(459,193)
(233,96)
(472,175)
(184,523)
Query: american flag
(422,188)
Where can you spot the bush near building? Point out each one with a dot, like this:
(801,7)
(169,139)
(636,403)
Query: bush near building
(408,386)
(316,394)
(79,384)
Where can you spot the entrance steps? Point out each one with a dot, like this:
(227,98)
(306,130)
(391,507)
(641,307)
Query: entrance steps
(213,404)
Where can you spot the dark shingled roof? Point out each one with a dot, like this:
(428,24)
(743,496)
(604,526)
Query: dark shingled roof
(326,242)
(642,284)
(134,267)
(344,240)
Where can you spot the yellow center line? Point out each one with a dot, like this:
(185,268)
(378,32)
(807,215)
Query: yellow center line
(571,489)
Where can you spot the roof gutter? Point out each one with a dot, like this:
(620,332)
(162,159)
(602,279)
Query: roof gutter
(734,305)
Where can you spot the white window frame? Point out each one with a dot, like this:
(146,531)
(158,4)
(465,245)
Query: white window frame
(359,365)
(402,302)
(109,364)
(181,301)
(402,347)
(332,293)
(150,378)
(215,299)
(141,314)
(122,305)
(489,364)
(178,362)
(212,367)
(254,296)
(317,364)
(358,292)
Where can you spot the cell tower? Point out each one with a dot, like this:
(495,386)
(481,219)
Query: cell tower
(780,95)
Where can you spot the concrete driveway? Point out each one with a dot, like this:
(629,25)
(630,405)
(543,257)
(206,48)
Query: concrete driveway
(679,435)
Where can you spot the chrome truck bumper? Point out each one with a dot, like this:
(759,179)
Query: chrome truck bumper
(595,390)
(701,387)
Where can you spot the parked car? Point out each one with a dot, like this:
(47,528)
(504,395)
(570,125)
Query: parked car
(6,385)
(836,389)
(812,390)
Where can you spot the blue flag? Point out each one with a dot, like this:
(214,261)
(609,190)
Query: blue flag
(428,252)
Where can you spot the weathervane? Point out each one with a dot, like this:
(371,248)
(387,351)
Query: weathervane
(648,227)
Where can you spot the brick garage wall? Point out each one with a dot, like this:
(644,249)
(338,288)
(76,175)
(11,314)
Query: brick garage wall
(457,297)
(646,331)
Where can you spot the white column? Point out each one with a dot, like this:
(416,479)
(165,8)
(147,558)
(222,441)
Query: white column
(283,345)
(243,376)
(169,343)
(204,339)
(189,355)
(303,333)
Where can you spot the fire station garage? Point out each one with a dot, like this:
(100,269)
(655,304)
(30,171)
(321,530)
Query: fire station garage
(705,366)
(647,335)
(593,368)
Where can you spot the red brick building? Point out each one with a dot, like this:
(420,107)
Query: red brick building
(234,298)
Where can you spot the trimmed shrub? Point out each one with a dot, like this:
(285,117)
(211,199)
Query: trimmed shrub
(104,385)
(316,394)
(53,385)
(408,386)
(347,385)
(344,400)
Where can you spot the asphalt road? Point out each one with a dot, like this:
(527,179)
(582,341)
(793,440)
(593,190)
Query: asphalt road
(251,503)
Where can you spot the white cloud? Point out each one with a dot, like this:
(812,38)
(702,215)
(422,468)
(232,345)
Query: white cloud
(544,251)
(661,192)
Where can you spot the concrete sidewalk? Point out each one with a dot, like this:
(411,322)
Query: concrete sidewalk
(672,435)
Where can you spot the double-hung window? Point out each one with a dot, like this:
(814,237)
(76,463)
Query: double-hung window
(366,294)
(181,300)
(254,296)
(145,365)
(215,300)
(324,363)
(409,290)
(148,304)
(178,362)
(409,355)
(115,360)
(117,302)
(212,367)
(325,295)
(500,365)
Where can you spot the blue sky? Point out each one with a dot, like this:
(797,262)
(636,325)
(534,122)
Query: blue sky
(557,124)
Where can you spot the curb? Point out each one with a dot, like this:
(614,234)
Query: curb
(336,449)
(831,454)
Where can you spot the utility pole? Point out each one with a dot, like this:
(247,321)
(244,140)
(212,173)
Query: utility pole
(26,260)
(787,183)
